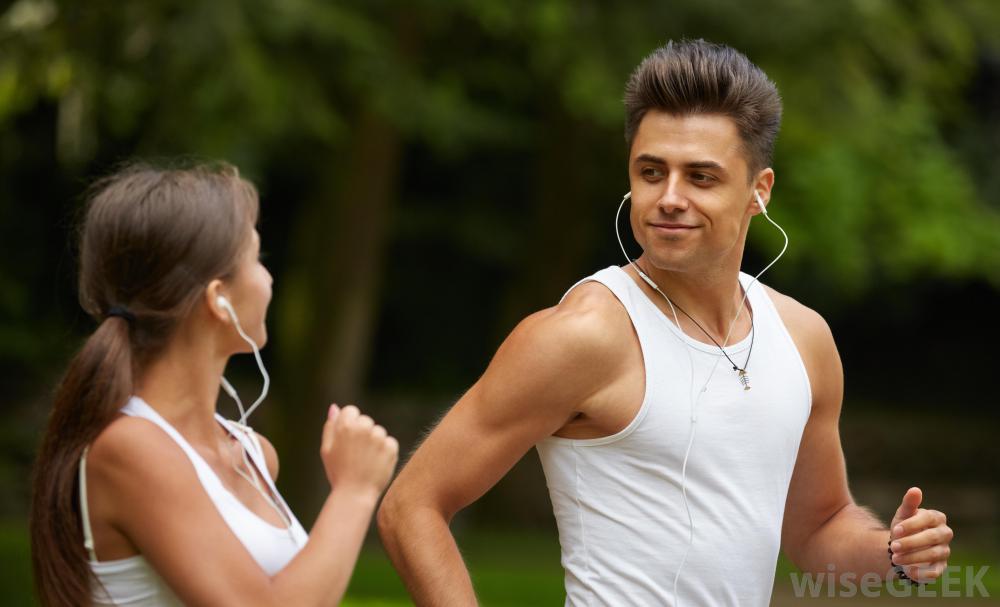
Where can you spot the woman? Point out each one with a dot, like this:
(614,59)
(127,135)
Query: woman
(143,495)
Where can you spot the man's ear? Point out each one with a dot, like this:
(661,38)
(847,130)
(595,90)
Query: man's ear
(762,185)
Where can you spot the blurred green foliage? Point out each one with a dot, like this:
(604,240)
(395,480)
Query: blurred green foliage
(877,163)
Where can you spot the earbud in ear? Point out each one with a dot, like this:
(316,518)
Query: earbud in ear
(223,303)
(627,195)
(760,202)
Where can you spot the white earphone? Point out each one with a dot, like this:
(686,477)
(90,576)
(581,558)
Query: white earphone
(642,274)
(695,398)
(223,303)
(760,203)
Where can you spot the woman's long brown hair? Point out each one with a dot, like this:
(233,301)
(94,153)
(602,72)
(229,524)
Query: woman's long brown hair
(151,241)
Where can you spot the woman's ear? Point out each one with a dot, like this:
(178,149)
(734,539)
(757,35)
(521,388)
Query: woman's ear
(211,299)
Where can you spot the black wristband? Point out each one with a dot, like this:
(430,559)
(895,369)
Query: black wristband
(899,571)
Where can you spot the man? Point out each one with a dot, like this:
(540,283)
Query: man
(677,464)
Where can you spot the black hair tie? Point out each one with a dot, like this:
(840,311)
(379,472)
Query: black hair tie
(121,312)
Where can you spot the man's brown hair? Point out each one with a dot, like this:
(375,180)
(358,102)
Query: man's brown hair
(698,77)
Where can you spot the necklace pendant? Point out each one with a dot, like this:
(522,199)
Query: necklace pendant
(744,379)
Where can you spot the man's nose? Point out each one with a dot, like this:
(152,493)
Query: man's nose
(673,198)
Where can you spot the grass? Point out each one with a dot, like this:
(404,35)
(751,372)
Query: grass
(509,569)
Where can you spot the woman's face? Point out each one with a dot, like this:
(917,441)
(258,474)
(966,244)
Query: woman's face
(250,293)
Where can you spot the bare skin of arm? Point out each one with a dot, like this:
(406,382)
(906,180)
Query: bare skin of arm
(822,523)
(559,371)
(143,487)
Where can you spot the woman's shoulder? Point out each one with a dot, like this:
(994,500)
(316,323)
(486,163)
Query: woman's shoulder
(138,477)
(132,451)
(128,436)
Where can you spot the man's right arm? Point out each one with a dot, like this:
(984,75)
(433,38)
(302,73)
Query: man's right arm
(550,365)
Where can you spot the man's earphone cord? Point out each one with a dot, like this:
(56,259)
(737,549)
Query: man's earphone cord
(694,399)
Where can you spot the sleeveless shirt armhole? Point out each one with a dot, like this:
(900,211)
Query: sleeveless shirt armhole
(607,278)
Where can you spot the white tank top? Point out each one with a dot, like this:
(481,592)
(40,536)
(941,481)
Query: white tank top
(132,581)
(617,499)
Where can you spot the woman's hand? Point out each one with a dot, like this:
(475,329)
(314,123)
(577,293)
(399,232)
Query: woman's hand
(357,453)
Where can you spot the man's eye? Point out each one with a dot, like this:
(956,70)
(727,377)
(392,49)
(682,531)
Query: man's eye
(702,177)
(652,173)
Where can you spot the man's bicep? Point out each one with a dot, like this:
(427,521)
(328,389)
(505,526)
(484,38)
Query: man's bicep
(470,450)
(534,384)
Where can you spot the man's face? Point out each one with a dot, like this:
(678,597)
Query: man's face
(691,198)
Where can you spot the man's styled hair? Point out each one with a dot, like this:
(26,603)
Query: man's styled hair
(698,77)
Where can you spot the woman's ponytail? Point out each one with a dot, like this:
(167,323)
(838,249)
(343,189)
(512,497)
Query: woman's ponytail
(95,386)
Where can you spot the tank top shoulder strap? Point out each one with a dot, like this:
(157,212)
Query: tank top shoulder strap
(763,307)
(247,437)
(641,314)
(251,444)
(767,319)
(136,407)
(616,280)
(88,535)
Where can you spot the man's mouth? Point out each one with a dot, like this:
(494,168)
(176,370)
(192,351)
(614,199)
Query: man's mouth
(668,227)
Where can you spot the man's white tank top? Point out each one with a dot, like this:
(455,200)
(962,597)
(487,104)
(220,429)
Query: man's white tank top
(132,581)
(617,499)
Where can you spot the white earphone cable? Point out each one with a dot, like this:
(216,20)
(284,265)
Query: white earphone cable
(695,399)
(260,365)
(242,424)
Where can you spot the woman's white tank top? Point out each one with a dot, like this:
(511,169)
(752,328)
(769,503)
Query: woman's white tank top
(132,581)
(617,500)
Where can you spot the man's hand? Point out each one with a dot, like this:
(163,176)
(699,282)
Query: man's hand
(920,538)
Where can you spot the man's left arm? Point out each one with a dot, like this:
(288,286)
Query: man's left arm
(822,524)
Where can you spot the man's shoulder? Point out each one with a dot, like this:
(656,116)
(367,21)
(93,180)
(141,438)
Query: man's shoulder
(588,326)
(807,327)
(589,315)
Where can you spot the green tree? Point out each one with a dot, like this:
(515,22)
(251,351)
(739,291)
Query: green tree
(405,149)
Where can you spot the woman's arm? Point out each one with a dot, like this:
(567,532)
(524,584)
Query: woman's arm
(144,486)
